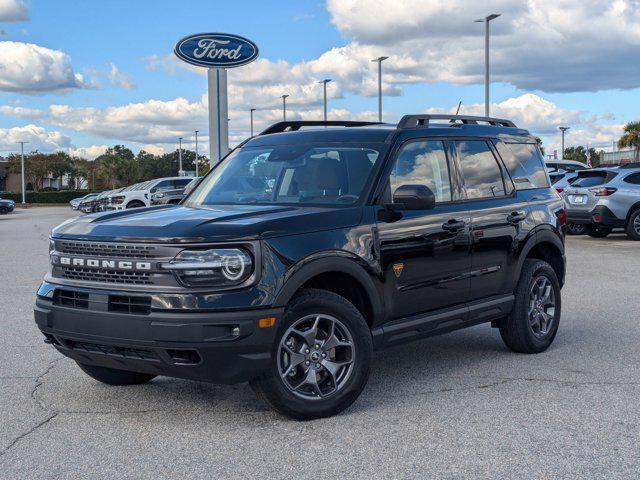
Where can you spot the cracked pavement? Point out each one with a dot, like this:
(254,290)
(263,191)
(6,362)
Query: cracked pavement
(455,406)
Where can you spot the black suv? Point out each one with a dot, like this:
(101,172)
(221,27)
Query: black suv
(307,249)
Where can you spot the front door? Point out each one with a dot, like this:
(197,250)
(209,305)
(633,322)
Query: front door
(425,255)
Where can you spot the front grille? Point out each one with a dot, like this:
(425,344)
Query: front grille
(124,352)
(126,304)
(106,249)
(71,299)
(107,276)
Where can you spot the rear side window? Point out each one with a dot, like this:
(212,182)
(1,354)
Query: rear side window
(525,165)
(591,179)
(480,169)
(181,182)
(634,178)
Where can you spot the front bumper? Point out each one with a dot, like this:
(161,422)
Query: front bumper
(218,347)
(599,216)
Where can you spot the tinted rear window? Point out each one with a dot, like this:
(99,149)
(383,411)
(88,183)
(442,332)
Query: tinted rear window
(591,179)
(525,165)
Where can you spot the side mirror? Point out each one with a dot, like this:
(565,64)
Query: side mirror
(153,190)
(414,197)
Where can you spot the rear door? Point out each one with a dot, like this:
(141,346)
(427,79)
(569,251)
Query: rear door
(425,255)
(497,217)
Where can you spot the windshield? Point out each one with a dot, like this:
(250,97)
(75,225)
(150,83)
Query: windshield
(327,174)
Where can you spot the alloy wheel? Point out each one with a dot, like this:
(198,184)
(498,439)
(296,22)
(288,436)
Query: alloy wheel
(636,224)
(316,356)
(542,306)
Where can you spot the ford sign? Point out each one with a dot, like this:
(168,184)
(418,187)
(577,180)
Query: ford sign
(216,50)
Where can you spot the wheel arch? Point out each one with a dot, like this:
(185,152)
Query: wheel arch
(544,245)
(339,274)
(633,208)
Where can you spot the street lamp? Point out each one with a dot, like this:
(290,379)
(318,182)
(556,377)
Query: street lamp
(486,21)
(197,152)
(379,60)
(251,112)
(24,201)
(563,129)
(324,87)
(180,157)
(284,107)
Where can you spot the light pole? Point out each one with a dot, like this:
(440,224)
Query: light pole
(24,201)
(251,113)
(486,21)
(563,129)
(324,87)
(284,107)
(180,157)
(197,152)
(379,60)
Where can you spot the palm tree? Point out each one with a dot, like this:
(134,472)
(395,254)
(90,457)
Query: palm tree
(631,138)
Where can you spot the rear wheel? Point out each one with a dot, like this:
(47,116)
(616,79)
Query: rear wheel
(112,376)
(533,322)
(596,231)
(4,210)
(321,357)
(575,228)
(633,225)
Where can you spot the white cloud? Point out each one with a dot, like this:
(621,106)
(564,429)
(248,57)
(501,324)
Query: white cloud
(533,43)
(32,69)
(13,11)
(90,152)
(120,79)
(37,138)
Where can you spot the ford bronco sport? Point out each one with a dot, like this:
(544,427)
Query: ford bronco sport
(306,250)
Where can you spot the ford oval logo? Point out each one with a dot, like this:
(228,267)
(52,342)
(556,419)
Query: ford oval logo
(216,50)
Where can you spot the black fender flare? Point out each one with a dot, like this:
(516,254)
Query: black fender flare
(541,235)
(343,262)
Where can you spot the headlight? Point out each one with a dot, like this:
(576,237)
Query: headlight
(158,195)
(216,267)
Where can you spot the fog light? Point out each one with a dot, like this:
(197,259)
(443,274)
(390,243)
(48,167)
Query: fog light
(235,332)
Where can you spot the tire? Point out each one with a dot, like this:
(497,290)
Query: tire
(4,210)
(319,309)
(111,376)
(518,330)
(135,204)
(597,232)
(633,225)
(575,228)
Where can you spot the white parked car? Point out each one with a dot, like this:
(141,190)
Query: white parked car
(139,195)
(564,165)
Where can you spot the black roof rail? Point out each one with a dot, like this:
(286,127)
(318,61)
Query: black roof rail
(292,126)
(412,121)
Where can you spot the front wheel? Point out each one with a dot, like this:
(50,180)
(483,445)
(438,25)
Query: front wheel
(533,322)
(4,210)
(112,376)
(135,204)
(596,231)
(320,359)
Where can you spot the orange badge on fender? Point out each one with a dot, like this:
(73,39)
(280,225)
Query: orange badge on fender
(397,269)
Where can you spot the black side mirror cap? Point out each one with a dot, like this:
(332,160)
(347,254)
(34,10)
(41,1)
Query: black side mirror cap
(414,197)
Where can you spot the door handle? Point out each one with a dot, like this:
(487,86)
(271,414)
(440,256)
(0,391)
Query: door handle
(453,225)
(516,217)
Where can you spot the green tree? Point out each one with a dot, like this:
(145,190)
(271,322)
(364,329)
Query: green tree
(539,142)
(631,138)
(117,167)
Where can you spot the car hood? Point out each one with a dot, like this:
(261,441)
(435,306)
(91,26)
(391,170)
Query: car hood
(179,224)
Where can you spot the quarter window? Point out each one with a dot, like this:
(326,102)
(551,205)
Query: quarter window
(524,164)
(423,163)
(480,169)
(633,178)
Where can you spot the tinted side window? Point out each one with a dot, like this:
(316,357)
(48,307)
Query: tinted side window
(181,182)
(480,170)
(164,185)
(423,163)
(524,164)
(591,180)
(634,178)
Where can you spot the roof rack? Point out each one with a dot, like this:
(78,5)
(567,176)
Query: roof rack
(413,121)
(294,125)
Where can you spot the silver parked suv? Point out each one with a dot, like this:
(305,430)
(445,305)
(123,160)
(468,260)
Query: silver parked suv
(605,198)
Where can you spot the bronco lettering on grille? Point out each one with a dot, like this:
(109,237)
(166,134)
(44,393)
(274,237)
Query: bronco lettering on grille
(113,264)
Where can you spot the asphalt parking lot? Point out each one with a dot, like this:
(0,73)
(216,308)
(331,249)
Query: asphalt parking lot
(460,405)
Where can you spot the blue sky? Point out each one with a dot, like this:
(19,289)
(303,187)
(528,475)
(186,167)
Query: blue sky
(114,78)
